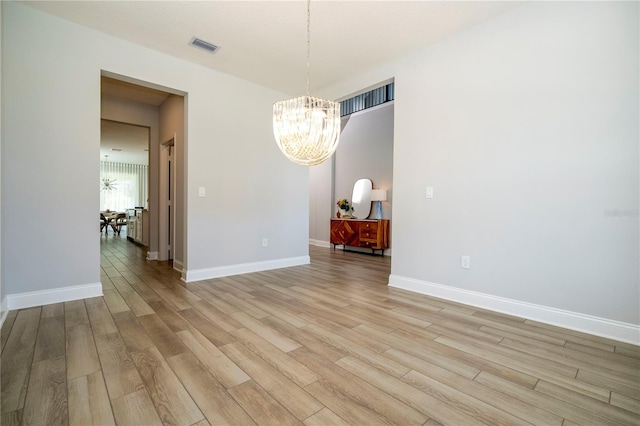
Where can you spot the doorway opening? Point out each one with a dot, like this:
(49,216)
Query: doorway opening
(162,111)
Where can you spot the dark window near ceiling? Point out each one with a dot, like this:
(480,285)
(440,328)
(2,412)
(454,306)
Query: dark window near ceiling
(367,100)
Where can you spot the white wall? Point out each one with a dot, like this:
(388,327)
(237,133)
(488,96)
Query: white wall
(51,70)
(527,128)
(3,298)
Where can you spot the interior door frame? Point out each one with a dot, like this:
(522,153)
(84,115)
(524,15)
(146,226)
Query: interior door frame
(167,186)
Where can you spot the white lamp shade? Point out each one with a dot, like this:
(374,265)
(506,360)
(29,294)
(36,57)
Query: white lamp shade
(379,195)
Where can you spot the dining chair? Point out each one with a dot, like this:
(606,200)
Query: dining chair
(118,222)
(103,223)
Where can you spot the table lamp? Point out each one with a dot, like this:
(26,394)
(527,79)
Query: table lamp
(378,196)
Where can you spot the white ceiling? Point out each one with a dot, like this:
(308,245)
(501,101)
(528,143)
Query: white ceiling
(265,41)
(124,143)
(117,89)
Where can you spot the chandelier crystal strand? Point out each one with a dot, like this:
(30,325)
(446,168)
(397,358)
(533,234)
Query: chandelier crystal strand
(307,129)
(308,45)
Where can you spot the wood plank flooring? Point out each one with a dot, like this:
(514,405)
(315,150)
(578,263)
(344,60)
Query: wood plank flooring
(323,344)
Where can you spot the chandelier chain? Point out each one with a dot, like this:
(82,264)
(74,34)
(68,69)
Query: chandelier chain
(308,43)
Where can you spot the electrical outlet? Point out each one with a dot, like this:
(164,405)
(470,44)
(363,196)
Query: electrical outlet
(465,262)
(201,191)
(429,192)
(265,242)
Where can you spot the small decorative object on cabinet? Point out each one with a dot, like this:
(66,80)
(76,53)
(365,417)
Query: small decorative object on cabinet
(345,208)
(372,234)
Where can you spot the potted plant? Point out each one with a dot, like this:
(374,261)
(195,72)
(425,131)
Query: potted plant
(345,207)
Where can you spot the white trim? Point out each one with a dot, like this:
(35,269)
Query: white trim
(243,268)
(319,243)
(152,255)
(178,266)
(57,295)
(598,326)
(5,310)
(165,188)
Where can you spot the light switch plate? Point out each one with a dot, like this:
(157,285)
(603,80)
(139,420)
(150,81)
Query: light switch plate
(429,192)
(201,191)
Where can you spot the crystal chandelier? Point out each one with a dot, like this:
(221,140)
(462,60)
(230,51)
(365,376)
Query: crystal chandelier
(307,129)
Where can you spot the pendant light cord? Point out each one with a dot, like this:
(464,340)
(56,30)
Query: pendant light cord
(308,43)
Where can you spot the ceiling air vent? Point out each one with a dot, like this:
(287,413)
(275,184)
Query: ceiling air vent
(204,45)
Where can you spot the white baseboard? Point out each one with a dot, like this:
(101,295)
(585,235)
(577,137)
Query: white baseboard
(57,295)
(243,268)
(598,326)
(319,243)
(4,309)
(152,255)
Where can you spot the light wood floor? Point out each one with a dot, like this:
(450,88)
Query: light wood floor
(328,344)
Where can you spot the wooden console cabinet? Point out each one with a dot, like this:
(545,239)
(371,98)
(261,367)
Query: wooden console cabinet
(366,233)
